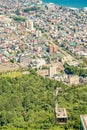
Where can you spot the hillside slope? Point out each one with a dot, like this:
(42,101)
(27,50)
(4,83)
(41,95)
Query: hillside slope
(27,102)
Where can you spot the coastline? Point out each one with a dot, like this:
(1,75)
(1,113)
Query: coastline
(65,5)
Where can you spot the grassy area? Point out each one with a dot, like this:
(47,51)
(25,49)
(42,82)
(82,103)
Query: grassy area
(56,128)
(12,74)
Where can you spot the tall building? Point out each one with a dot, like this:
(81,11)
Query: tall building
(52,48)
(26,24)
(38,33)
(29,24)
(83,122)
(31,27)
(52,71)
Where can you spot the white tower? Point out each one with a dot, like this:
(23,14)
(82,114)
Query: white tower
(26,24)
(38,33)
(29,24)
(31,27)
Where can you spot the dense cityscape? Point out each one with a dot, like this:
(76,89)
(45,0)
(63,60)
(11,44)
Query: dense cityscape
(43,36)
(48,38)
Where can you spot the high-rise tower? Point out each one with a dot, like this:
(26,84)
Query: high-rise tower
(29,24)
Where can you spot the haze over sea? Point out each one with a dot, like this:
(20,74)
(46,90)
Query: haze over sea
(69,3)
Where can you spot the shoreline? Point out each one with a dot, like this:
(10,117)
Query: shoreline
(66,6)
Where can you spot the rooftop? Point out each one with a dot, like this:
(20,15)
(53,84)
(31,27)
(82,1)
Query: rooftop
(84,120)
(61,113)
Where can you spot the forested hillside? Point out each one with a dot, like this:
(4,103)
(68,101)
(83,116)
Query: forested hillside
(27,103)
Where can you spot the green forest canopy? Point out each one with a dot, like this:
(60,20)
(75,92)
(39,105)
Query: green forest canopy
(74,70)
(31,9)
(19,18)
(27,102)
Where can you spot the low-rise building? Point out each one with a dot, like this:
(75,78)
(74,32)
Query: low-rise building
(43,73)
(52,71)
(83,122)
(73,80)
(61,116)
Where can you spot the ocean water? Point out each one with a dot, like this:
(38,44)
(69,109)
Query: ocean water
(69,3)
